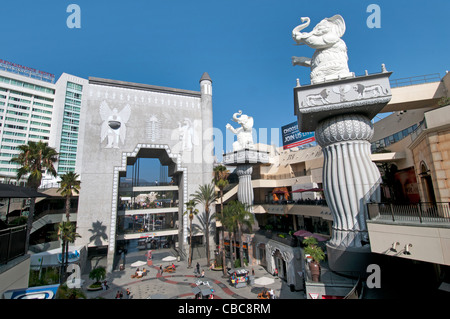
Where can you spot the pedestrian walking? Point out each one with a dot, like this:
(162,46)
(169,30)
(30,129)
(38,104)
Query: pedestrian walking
(198,268)
(128,293)
(161,269)
(118,294)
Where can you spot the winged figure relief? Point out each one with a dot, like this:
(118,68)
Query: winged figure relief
(113,126)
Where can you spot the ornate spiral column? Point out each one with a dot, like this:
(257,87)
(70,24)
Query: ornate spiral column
(350,178)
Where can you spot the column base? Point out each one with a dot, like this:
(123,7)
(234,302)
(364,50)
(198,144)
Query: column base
(350,261)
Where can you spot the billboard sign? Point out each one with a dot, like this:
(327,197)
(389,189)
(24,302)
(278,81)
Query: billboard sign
(292,137)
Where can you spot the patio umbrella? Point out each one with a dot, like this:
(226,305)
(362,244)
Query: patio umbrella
(301,190)
(314,189)
(302,233)
(139,263)
(203,289)
(318,237)
(169,258)
(264,281)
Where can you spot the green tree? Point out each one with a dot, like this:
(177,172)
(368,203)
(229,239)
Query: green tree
(65,231)
(35,159)
(242,218)
(97,274)
(191,212)
(206,195)
(65,292)
(69,185)
(221,181)
(228,220)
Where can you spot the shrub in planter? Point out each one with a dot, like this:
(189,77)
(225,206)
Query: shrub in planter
(317,255)
(97,274)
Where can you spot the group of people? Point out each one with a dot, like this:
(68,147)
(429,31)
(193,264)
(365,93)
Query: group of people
(267,294)
(197,271)
(139,273)
(119,294)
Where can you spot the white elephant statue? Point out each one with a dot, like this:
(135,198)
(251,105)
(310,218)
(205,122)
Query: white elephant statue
(244,133)
(329,61)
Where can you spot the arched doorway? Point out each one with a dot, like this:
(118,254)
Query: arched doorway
(427,184)
(280,264)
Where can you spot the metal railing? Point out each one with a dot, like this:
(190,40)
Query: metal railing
(419,79)
(12,243)
(424,212)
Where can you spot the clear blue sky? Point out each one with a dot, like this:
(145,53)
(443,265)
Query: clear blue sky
(245,46)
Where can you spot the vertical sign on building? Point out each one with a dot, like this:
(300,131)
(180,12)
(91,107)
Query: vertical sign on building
(292,137)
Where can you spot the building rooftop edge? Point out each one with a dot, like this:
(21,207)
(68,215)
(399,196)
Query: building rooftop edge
(140,86)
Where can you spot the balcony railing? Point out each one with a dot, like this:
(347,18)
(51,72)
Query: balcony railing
(12,243)
(416,213)
(310,202)
(436,77)
(138,206)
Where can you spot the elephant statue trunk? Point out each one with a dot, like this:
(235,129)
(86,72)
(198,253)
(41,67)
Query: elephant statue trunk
(296,34)
(235,116)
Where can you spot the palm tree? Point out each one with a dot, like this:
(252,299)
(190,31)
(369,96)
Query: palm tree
(67,234)
(221,181)
(206,195)
(35,158)
(237,215)
(227,218)
(69,185)
(191,211)
(244,218)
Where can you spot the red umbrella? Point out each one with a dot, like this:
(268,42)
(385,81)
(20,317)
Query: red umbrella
(319,238)
(314,190)
(299,190)
(302,233)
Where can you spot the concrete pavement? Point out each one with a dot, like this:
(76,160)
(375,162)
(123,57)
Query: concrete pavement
(178,285)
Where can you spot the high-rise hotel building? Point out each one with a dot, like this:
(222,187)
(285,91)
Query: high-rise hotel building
(35,107)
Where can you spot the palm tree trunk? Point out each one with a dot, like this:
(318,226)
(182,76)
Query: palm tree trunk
(61,269)
(241,246)
(222,240)
(190,243)
(208,257)
(30,223)
(66,261)
(68,207)
(234,248)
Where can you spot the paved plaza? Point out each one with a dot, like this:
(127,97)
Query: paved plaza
(178,285)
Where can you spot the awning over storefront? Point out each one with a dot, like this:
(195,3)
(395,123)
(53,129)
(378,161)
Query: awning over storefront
(52,258)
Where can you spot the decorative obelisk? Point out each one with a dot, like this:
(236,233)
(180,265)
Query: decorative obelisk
(339,107)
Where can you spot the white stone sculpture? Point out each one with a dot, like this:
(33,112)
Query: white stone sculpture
(329,61)
(244,133)
(113,126)
(187,137)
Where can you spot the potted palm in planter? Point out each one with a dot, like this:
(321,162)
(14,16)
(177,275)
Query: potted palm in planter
(97,274)
(317,255)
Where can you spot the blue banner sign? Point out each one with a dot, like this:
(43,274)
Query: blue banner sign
(292,137)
